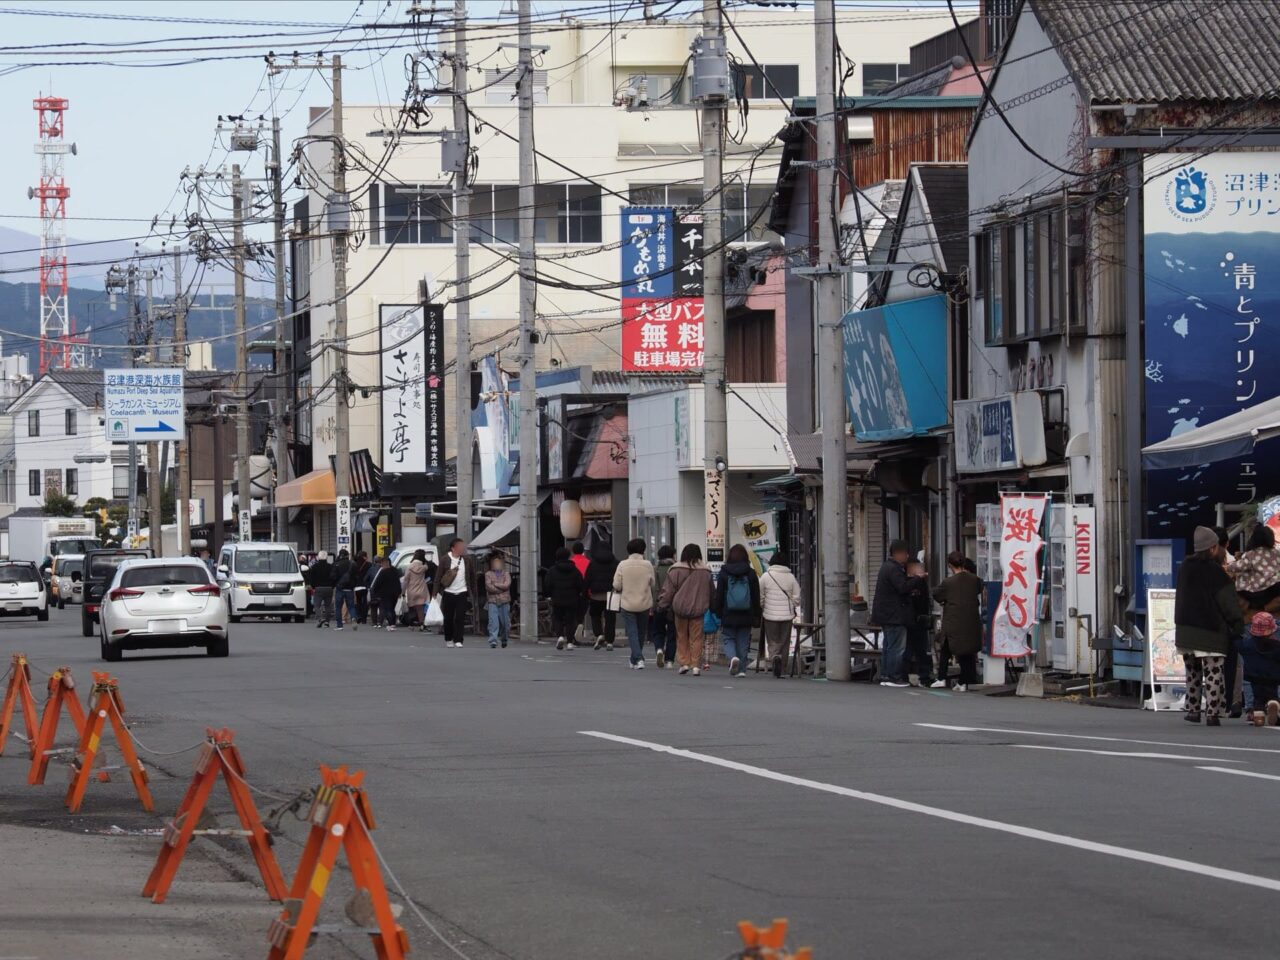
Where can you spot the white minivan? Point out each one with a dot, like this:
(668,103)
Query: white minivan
(262,580)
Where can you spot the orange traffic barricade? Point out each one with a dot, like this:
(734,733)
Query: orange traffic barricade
(769,943)
(18,694)
(219,754)
(340,818)
(62,693)
(107,706)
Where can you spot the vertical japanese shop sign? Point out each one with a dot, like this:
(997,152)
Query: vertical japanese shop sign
(662,327)
(1212,316)
(1020,542)
(411,367)
(714,493)
(434,364)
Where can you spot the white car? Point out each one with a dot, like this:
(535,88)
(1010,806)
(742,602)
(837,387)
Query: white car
(22,590)
(262,580)
(166,603)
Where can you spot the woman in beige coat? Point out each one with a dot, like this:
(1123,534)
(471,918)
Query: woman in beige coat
(633,584)
(417,592)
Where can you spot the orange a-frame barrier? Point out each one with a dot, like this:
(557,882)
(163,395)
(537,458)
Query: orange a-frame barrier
(19,693)
(108,706)
(219,754)
(340,817)
(62,692)
(769,943)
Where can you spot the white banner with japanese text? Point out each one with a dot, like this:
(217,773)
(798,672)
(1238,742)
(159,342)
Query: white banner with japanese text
(1021,516)
(403,376)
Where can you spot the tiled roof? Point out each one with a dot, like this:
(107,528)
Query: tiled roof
(84,385)
(1160,51)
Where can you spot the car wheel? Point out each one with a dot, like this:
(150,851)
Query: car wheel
(299,618)
(61,605)
(86,624)
(110,652)
(42,615)
(219,647)
(236,618)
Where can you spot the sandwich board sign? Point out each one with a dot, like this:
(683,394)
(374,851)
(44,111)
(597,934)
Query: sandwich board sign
(144,405)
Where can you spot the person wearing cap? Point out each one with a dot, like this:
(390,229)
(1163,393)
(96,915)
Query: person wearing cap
(1260,648)
(1206,617)
(320,576)
(893,611)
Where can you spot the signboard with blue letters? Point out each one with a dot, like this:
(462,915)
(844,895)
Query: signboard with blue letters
(1212,317)
(895,368)
(144,405)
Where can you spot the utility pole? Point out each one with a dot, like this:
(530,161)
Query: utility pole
(279,419)
(462,271)
(242,358)
(835,490)
(339,216)
(155,514)
(134,339)
(528,338)
(711,89)
(181,448)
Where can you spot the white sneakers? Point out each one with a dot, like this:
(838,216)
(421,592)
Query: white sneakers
(571,645)
(560,641)
(640,665)
(684,669)
(961,688)
(660,658)
(735,667)
(697,672)
(938,685)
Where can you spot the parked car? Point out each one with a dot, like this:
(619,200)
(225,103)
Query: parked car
(99,570)
(67,579)
(165,603)
(22,592)
(262,579)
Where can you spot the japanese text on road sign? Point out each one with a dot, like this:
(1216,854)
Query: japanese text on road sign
(144,405)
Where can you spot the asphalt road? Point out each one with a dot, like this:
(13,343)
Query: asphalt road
(883,823)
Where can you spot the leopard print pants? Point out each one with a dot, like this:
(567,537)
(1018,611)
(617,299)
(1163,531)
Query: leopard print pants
(1204,684)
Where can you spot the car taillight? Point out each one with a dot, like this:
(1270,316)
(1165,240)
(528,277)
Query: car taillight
(121,592)
(208,588)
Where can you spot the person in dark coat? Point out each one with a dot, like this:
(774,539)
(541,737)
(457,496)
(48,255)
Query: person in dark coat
(344,591)
(737,620)
(360,574)
(320,577)
(1206,617)
(893,611)
(564,588)
(919,655)
(960,596)
(599,583)
(384,591)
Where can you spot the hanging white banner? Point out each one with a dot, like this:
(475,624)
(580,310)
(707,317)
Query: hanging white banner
(1021,516)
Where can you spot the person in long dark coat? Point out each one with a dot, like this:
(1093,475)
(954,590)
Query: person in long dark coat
(961,633)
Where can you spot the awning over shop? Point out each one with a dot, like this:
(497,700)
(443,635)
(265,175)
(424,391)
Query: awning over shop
(314,489)
(505,524)
(1232,436)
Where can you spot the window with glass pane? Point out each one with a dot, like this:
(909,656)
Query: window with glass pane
(1076,272)
(33,423)
(73,482)
(119,481)
(783,80)
(877,76)
(417,215)
(70,422)
(506,214)
(33,483)
(1028,318)
(734,214)
(481,216)
(1053,259)
(547,199)
(995,286)
(648,195)
(580,214)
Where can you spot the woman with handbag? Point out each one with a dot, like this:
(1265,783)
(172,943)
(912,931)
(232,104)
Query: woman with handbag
(384,592)
(604,616)
(633,590)
(779,601)
(686,592)
(417,591)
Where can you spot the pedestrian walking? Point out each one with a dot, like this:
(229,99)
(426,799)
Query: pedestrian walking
(344,594)
(1261,650)
(663,630)
(497,598)
(737,604)
(583,563)
(599,577)
(687,593)
(1206,617)
(374,610)
(564,589)
(893,611)
(919,661)
(779,601)
(960,595)
(633,583)
(360,573)
(384,591)
(1257,579)
(452,586)
(320,577)
(417,589)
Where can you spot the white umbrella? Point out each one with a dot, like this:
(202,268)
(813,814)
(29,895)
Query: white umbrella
(1232,436)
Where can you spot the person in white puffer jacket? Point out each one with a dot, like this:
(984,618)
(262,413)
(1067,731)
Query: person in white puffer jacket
(779,601)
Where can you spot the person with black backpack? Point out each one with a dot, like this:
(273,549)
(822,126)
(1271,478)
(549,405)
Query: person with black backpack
(737,604)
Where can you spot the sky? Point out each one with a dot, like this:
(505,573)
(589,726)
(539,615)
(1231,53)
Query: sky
(136,128)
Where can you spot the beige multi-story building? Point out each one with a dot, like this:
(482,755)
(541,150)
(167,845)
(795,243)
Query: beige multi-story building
(596,156)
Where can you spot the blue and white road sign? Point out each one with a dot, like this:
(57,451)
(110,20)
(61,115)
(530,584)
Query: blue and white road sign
(144,404)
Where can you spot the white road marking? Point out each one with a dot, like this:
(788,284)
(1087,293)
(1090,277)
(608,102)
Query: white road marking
(1081,736)
(1241,773)
(1031,833)
(1145,755)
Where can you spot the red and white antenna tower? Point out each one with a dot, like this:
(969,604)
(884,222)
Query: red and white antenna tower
(56,346)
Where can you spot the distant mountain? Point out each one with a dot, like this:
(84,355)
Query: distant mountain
(106,322)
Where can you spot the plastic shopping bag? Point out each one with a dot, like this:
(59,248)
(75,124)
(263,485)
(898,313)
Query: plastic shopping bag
(435,616)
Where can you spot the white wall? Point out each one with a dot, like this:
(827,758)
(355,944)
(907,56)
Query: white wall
(54,449)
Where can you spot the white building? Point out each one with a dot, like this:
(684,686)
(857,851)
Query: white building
(59,443)
(596,157)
